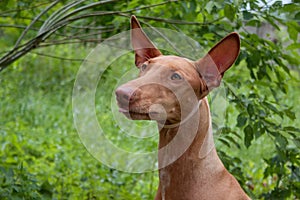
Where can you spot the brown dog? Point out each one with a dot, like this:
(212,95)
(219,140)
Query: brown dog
(172,90)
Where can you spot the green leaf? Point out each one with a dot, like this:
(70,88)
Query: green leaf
(293,46)
(224,142)
(236,134)
(271,107)
(224,130)
(254,22)
(293,29)
(293,33)
(248,135)
(254,59)
(247,15)
(291,128)
(290,114)
(258,129)
(250,109)
(281,140)
(291,7)
(241,120)
(209,36)
(297,16)
(233,141)
(297,142)
(291,59)
(272,22)
(281,152)
(229,11)
(209,6)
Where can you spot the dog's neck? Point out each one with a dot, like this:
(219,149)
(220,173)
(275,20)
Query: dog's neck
(184,120)
(189,170)
(196,132)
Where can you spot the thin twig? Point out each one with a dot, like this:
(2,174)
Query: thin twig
(67,15)
(58,57)
(16,26)
(28,8)
(77,36)
(55,43)
(22,17)
(58,13)
(171,21)
(33,22)
(187,41)
(90,27)
(166,38)
(62,21)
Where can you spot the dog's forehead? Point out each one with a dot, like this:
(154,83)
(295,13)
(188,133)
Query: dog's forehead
(175,62)
(182,65)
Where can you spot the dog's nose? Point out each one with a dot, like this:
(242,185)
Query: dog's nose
(125,95)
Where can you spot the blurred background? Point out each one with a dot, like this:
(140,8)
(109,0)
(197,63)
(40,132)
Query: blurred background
(43,44)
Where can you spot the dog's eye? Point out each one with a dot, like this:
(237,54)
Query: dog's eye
(143,67)
(176,76)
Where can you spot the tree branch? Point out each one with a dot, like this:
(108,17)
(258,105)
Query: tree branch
(59,19)
(181,22)
(33,22)
(58,57)
(16,26)
(19,10)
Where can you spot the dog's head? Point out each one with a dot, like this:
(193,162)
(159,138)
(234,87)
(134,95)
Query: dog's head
(166,84)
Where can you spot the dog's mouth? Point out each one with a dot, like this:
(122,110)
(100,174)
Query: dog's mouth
(138,114)
(135,115)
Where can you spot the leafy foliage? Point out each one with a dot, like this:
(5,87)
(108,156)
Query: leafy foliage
(41,155)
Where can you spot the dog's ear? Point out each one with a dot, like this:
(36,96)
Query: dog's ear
(144,49)
(219,59)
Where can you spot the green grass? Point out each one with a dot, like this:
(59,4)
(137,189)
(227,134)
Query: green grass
(41,154)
